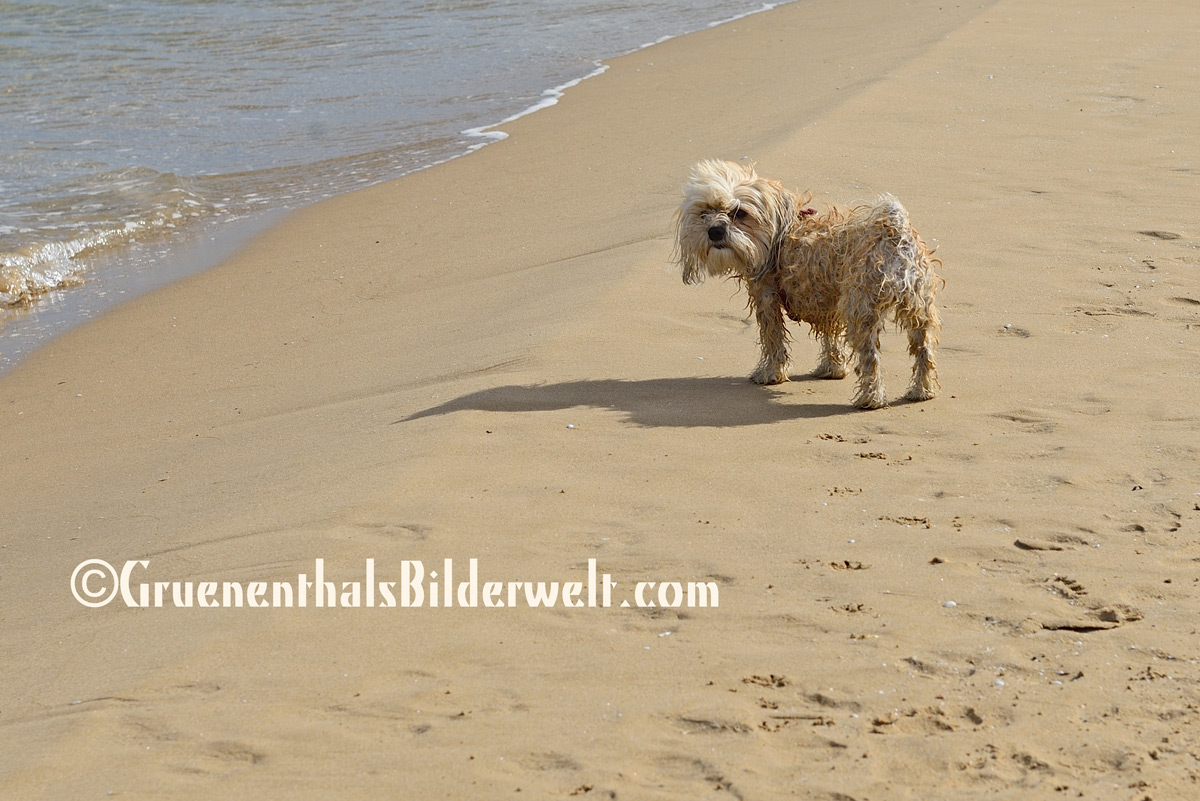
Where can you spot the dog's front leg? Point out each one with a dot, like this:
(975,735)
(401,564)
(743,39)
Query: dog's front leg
(832,363)
(772,333)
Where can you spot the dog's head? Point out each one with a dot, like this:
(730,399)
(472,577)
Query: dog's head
(730,221)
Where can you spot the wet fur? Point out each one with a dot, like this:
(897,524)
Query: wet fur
(845,272)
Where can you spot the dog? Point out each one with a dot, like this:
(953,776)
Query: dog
(843,271)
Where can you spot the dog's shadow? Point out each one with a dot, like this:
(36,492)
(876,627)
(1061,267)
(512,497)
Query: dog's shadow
(661,402)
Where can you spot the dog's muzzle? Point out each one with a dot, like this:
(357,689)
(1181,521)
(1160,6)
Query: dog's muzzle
(716,234)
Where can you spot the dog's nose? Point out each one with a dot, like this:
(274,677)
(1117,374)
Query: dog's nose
(716,233)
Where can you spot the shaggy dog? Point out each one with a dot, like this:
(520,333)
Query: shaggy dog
(844,272)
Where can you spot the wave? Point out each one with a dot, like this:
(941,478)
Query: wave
(43,246)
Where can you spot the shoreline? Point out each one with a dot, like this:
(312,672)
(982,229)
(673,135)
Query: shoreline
(59,311)
(987,594)
(85,293)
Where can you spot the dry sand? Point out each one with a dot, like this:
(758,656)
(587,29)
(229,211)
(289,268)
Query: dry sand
(494,359)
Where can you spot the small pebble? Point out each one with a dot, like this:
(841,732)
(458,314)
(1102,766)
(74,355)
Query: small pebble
(998,682)
(949,604)
(569,425)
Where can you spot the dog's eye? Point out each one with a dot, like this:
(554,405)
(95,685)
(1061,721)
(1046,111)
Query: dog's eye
(739,214)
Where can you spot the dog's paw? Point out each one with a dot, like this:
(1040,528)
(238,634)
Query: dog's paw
(921,394)
(870,400)
(830,371)
(769,374)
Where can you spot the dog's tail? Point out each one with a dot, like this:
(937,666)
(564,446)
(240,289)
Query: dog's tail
(917,276)
(914,249)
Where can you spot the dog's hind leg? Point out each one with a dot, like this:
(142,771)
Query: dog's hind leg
(863,334)
(922,340)
(772,334)
(832,361)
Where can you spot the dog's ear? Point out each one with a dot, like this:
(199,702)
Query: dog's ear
(689,263)
(692,274)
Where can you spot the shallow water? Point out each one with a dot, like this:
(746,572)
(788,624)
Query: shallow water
(139,135)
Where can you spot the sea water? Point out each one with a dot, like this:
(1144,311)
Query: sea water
(137,137)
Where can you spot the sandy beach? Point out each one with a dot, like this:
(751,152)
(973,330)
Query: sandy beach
(992,594)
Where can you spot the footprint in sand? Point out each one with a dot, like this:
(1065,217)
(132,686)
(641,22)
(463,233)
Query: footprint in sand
(908,522)
(234,752)
(1182,301)
(1030,422)
(1066,587)
(767,681)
